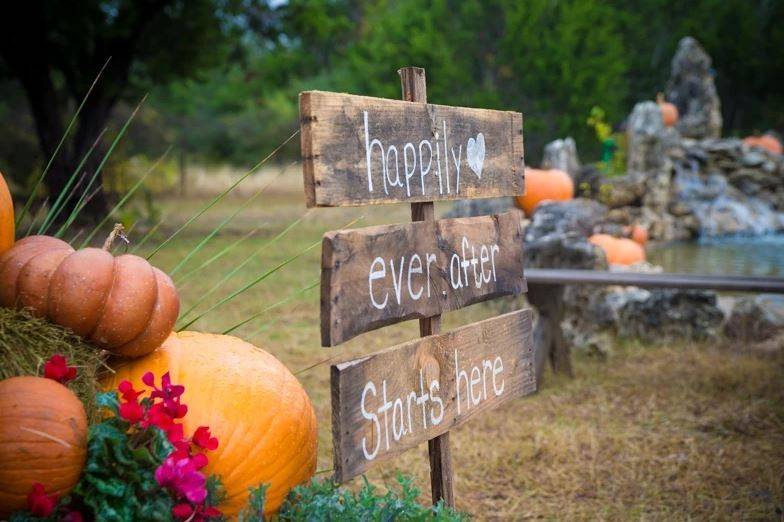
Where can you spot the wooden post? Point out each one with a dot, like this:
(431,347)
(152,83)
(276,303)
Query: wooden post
(414,86)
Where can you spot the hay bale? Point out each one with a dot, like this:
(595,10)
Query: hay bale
(26,342)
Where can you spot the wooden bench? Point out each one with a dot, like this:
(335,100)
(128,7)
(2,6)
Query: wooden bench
(546,290)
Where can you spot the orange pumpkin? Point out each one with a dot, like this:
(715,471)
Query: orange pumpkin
(619,251)
(6,217)
(766,141)
(669,111)
(638,234)
(543,185)
(261,415)
(43,438)
(121,304)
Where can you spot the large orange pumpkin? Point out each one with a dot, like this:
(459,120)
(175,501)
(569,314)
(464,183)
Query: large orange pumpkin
(261,415)
(121,304)
(766,141)
(6,217)
(542,185)
(43,438)
(669,111)
(619,251)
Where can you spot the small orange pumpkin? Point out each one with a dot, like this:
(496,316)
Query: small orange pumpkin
(121,304)
(619,251)
(766,141)
(6,217)
(43,438)
(638,234)
(261,415)
(542,185)
(669,111)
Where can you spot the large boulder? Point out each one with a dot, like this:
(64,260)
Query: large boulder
(664,314)
(577,216)
(756,318)
(649,167)
(692,89)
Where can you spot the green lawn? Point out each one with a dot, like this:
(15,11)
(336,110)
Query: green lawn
(693,431)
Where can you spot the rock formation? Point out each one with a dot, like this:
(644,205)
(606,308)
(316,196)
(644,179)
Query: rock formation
(692,89)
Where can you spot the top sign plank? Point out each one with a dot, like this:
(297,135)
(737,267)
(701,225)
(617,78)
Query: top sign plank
(358,150)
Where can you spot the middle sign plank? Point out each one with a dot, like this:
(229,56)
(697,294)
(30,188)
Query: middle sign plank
(375,276)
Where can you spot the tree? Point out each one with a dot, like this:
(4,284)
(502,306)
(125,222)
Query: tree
(55,49)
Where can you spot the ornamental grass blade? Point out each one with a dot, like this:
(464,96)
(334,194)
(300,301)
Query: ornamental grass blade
(149,234)
(220,196)
(285,300)
(68,190)
(124,199)
(241,265)
(40,179)
(77,210)
(195,250)
(216,257)
(259,279)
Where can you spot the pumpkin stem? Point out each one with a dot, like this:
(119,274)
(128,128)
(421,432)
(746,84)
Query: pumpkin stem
(117,232)
(660,98)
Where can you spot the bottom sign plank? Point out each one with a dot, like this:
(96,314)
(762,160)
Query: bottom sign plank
(395,399)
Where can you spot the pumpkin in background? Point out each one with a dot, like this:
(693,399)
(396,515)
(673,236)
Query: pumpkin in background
(669,111)
(121,304)
(252,403)
(43,438)
(638,234)
(542,185)
(6,217)
(619,251)
(766,141)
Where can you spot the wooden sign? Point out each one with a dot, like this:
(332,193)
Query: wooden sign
(375,276)
(395,399)
(358,150)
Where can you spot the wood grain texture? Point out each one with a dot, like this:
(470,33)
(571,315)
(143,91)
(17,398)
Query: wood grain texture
(335,141)
(469,370)
(419,270)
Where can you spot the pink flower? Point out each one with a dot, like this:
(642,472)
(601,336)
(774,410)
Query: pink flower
(182,510)
(202,438)
(57,369)
(41,504)
(182,477)
(169,393)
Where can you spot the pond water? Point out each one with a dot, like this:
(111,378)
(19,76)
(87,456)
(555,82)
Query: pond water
(753,256)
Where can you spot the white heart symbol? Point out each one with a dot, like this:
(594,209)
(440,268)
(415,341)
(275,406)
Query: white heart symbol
(475,154)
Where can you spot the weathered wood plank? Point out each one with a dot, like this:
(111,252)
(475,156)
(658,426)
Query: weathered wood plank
(393,400)
(359,150)
(375,276)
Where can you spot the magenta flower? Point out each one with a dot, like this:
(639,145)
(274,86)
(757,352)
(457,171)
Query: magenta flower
(182,477)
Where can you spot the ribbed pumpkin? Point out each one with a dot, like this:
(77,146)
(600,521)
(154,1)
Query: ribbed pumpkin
(121,304)
(766,141)
(43,438)
(542,185)
(261,415)
(6,217)
(669,111)
(619,251)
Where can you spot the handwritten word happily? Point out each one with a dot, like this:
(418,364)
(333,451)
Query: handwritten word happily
(420,160)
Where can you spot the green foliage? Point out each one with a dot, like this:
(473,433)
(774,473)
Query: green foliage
(254,511)
(119,479)
(613,158)
(326,501)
